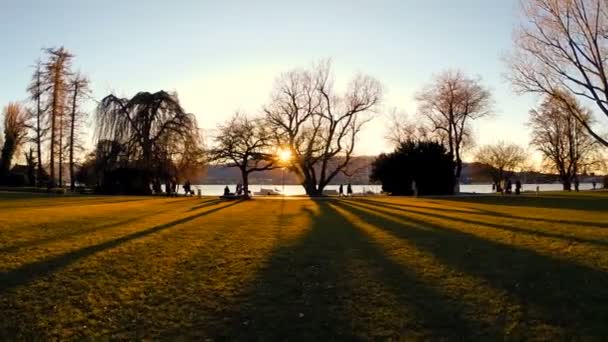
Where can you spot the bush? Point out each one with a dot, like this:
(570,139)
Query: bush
(425,162)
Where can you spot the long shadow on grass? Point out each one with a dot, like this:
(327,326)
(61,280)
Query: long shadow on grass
(570,296)
(76,201)
(319,287)
(58,237)
(575,202)
(205,204)
(485,212)
(29,272)
(405,208)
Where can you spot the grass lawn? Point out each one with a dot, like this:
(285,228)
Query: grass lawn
(492,268)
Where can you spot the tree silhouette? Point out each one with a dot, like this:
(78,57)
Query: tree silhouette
(56,74)
(449,104)
(502,158)
(318,124)
(15,133)
(246,144)
(78,87)
(426,162)
(563,141)
(561,48)
(37,90)
(152,128)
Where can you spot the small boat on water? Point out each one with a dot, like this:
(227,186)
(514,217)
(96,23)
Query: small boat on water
(267,192)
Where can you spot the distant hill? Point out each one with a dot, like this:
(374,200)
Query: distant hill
(358,173)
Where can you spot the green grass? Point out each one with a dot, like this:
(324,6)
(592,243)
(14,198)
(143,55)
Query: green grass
(491,268)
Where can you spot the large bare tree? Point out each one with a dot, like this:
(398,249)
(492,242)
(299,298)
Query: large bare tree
(246,144)
(56,75)
(318,124)
(502,158)
(564,143)
(38,90)
(15,134)
(152,129)
(561,47)
(78,87)
(449,104)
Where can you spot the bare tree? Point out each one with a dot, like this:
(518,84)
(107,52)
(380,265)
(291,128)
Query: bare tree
(37,90)
(15,134)
(319,125)
(56,75)
(78,87)
(449,104)
(561,48)
(502,158)
(151,128)
(563,141)
(246,144)
(402,128)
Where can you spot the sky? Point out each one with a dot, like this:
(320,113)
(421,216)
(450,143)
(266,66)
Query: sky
(223,56)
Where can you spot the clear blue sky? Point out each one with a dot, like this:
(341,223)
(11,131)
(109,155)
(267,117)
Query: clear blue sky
(222,56)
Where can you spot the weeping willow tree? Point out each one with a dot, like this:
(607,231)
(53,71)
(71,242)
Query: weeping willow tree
(155,132)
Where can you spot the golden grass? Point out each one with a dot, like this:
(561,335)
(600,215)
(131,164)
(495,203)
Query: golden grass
(369,268)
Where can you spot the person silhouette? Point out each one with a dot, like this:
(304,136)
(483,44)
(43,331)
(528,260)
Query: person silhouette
(517,187)
(349,190)
(341,190)
(226,191)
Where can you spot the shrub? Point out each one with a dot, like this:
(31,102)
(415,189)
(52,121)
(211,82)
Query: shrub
(425,162)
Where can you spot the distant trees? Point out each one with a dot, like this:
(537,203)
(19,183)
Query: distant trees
(563,141)
(318,124)
(153,134)
(561,49)
(449,104)
(502,158)
(427,163)
(15,133)
(244,143)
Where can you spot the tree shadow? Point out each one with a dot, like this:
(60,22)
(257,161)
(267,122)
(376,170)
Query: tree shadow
(404,208)
(553,291)
(58,237)
(322,287)
(207,203)
(76,201)
(486,212)
(29,272)
(574,202)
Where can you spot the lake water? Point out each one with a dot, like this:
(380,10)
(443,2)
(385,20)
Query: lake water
(292,190)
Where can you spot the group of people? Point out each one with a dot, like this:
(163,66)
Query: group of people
(349,190)
(506,187)
(240,190)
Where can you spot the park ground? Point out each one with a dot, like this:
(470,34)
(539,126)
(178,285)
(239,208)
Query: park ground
(474,268)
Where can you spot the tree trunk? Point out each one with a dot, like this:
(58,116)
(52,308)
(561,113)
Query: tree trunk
(567,185)
(61,152)
(52,155)
(312,190)
(245,179)
(39,169)
(71,139)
